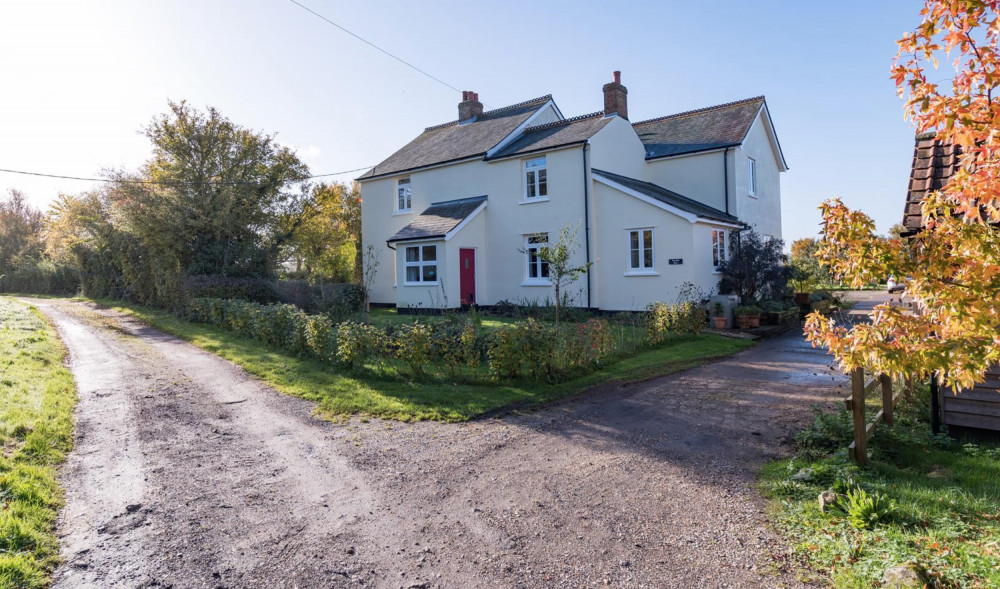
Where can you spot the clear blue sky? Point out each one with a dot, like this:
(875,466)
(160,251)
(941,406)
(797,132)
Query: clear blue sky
(78,80)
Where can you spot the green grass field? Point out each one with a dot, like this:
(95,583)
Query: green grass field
(37,396)
(339,395)
(946,495)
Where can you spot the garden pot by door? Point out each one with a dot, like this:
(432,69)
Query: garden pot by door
(467,275)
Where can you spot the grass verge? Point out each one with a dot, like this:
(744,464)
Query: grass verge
(937,504)
(37,396)
(338,395)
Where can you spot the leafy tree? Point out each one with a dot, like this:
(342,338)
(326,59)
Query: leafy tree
(211,199)
(896,231)
(325,237)
(563,270)
(954,265)
(804,262)
(756,267)
(20,232)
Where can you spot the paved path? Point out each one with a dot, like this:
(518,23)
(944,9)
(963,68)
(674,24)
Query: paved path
(190,473)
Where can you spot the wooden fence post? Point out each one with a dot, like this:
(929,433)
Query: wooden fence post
(858,409)
(887,404)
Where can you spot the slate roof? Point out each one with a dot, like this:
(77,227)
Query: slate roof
(555,134)
(669,197)
(438,219)
(454,141)
(715,127)
(934,162)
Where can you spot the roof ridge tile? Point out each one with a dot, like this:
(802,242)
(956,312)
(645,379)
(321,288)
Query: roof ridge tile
(699,110)
(540,99)
(575,119)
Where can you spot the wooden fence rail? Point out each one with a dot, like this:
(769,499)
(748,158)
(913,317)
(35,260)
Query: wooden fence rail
(863,430)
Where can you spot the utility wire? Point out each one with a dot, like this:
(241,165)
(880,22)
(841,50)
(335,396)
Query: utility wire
(114,181)
(366,41)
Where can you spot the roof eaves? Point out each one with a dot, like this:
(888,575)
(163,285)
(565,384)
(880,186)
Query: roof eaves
(497,158)
(693,151)
(424,167)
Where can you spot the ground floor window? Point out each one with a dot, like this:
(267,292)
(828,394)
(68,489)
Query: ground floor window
(421,264)
(718,247)
(640,249)
(537,268)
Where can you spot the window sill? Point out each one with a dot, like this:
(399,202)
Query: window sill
(752,195)
(641,273)
(420,283)
(536,283)
(533,201)
(404,212)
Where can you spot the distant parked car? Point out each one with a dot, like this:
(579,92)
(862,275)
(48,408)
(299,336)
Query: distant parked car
(893,286)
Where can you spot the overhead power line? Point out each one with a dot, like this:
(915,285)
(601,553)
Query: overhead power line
(367,42)
(116,181)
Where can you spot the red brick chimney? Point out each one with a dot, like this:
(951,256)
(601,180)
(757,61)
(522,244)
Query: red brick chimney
(616,98)
(470,106)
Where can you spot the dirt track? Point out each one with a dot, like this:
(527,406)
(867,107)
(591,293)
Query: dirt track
(190,473)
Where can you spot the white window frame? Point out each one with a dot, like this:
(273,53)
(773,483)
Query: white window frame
(642,267)
(751,177)
(719,251)
(540,266)
(531,166)
(420,263)
(400,184)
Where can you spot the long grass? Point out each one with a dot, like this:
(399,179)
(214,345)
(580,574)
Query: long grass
(37,396)
(392,395)
(947,494)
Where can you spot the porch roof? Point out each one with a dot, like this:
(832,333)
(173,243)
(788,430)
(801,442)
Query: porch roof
(439,219)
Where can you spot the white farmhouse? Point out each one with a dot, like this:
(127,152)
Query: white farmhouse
(457,215)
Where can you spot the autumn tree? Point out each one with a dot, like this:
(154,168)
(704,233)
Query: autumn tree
(953,265)
(325,236)
(20,231)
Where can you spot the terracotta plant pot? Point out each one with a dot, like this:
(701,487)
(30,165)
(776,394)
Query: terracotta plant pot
(743,321)
(719,322)
(755,321)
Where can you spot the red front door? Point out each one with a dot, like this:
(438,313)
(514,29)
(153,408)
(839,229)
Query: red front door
(467,275)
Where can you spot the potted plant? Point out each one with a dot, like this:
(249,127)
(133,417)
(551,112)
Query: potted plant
(755,312)
(719,316)
(743,313)
(802,287)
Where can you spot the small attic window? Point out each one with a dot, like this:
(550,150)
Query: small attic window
(751,177)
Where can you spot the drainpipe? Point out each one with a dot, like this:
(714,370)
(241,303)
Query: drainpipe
(725,175)
(586,217)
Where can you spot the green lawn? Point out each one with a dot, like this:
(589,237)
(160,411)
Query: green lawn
(339,394)
(947,497)
(37,396)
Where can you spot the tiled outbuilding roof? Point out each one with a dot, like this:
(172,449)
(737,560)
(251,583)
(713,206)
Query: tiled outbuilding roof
(934,162)
(715,127)
(438,219)
(455,140)
(668,197)
(555,134)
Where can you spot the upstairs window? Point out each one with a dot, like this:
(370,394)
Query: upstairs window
(535,184)
(403,201)
(640,250)
(718,248)
(421,264)
(538,270)
(752,177)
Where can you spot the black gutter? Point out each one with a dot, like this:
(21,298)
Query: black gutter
(530,151)
(713,148)
(586,217)
(725,175)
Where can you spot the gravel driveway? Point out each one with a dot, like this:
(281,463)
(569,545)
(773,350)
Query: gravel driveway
(188,472)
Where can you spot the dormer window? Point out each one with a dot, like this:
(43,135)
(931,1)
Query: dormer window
(403,201)
(535,183)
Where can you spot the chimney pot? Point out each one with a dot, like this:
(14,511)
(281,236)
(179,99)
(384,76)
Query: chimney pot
(616,97)
(470,107)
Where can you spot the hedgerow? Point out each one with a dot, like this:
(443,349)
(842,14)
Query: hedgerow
(455,347)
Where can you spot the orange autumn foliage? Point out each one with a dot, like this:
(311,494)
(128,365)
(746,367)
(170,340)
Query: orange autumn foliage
(954,265)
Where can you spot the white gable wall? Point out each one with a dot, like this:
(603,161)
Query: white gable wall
(762,211)
(616,148)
